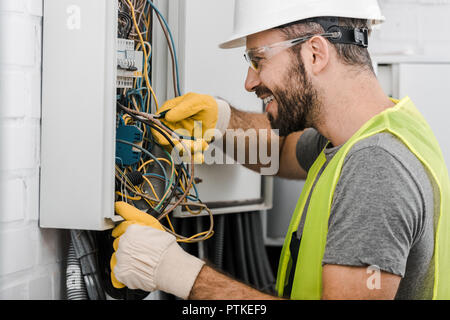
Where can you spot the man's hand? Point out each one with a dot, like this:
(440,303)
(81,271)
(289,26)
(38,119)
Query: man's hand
(148,258)
(194,115)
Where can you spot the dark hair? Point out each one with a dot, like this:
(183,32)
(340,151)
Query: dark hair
(349,54)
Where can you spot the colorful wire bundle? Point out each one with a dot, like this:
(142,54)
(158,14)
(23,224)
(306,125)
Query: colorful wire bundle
(175,178)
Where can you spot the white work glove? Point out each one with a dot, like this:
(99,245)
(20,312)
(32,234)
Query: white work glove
(150,259)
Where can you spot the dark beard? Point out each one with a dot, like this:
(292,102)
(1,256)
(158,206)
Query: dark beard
(298,102)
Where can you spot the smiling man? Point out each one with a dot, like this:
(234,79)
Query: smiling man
(376,197)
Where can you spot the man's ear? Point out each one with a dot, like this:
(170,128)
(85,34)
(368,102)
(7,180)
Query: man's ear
(319,52)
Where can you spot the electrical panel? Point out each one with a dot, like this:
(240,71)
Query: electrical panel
(105,68)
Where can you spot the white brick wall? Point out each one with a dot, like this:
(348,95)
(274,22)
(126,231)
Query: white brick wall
(31,259)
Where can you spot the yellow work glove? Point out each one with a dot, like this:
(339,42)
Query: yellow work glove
(148,258)
(194,115)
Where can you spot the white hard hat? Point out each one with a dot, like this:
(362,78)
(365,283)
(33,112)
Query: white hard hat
(253,16)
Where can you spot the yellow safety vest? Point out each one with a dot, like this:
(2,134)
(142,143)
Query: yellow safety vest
(406,123)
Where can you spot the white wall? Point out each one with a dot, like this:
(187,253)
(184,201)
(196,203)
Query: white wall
(31,259)
(413,29)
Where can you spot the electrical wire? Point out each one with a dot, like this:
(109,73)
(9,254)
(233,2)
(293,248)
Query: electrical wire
(135,19)
(171,42)
(165,132)
(145,55)
(159,183)
(124,31)
(149,154)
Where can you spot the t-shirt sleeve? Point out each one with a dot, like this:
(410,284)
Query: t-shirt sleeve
(378,216)
(309,146)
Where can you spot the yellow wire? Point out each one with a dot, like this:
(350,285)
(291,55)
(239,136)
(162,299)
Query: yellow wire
(139,45)
(170,223)
(134,104)
(147,81)
(147,25)
(160,159)
(182,186)
(152,160)
(192,212)
(146,55)
(144,127)
(128,196)
(135,187)
(196,236)
(151,187)
(127,119)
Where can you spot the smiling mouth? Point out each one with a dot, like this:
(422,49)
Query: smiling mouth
(268,99)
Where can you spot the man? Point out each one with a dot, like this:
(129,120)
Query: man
(376,199)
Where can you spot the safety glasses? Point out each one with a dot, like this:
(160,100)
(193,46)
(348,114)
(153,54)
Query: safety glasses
(256,55)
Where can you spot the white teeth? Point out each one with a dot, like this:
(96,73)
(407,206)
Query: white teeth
(268,100)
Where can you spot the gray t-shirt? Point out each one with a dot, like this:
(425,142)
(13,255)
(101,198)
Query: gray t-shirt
(382,210)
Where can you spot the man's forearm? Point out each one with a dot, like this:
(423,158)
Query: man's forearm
(248,120)
(251,132)
(213,285)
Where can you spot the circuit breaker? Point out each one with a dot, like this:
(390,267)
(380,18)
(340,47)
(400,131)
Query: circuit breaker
(129,63)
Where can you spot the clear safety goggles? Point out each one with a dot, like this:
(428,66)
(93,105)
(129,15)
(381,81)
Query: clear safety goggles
(256,55)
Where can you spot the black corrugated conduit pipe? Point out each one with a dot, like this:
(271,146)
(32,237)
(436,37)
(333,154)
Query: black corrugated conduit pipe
(75,287)
(256,251)
(239,248)
(258,242)
(229,256)
(267,265)
(85,252)
(250,251)
(219,235)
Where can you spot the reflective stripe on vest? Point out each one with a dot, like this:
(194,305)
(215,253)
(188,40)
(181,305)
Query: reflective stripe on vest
(406,123)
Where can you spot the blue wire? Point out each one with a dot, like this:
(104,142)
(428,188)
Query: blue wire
(179,188)
(171,40)
(189,197)
(139,83)
(120,159)
(137,93)
(184,167)
(154,175)
(151,156)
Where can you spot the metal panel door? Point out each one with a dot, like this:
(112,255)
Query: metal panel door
(78,114)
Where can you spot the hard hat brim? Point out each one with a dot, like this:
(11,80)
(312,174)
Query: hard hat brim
(234,43)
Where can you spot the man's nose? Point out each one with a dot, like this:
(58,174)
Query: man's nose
(252,81)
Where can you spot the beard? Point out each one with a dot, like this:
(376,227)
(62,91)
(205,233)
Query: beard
(297,100)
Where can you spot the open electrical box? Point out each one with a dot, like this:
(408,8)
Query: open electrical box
(93,60)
